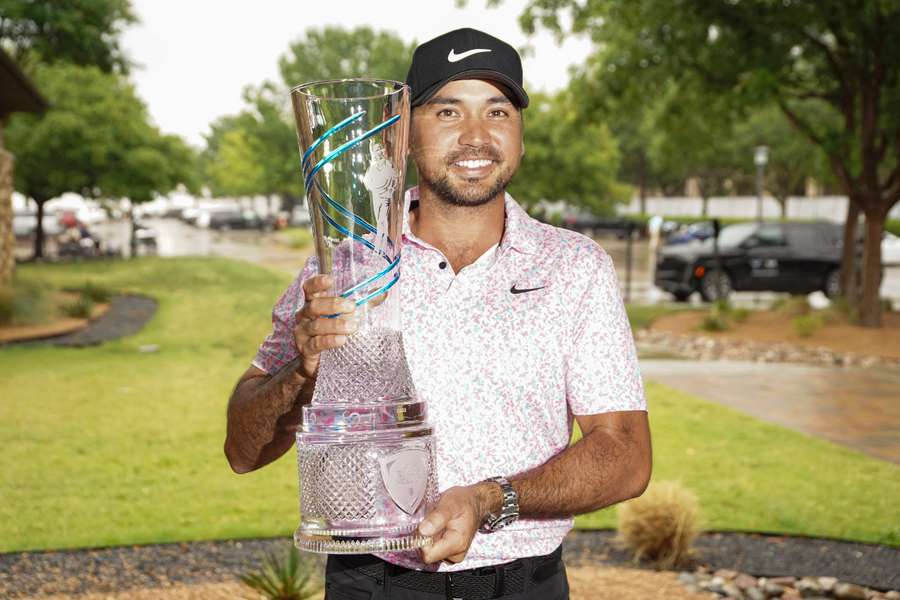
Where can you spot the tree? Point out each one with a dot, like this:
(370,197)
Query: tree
(267,123)
(267,161)
(792,159)
(82,32)
(803,55)
(631,122)
(96,140)
(694,139)
(337,53)
(566,159)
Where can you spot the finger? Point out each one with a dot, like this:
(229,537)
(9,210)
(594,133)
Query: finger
(341,326)
(451,543)
(318,344)
(317,284)
(457,558)
(321,307)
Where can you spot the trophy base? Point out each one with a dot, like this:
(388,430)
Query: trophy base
(332,544)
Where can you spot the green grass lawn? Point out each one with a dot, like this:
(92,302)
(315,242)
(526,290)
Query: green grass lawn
(642,315)
(107,445)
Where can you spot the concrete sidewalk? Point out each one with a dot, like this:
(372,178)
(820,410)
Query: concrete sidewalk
(858,408)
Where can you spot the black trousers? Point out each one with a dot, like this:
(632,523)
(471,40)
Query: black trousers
(366,577)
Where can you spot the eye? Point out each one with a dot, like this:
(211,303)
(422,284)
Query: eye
(446,112)
(499,112)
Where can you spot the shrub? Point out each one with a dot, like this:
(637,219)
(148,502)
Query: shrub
(717,319)
(793,306)
(807,325)
(23,304)
(7,305)
(95,292)
(283,577)
(661,525)
(79,309)
(298,237)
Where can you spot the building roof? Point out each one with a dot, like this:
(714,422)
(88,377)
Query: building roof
(17,93)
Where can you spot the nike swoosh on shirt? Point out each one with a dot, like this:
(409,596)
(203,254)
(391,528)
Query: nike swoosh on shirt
(514,290)
(453,57)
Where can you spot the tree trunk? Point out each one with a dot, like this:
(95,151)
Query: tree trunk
(39,230)
(782,202)
(642,184)
(870,303)
(849,289)
(132,238)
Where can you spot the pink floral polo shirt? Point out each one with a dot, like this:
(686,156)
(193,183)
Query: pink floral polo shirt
(503,373)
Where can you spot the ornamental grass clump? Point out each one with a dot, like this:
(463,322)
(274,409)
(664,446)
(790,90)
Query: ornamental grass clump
(808,325)
(283,576)
(661,525)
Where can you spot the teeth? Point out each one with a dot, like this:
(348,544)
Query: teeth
(473,164)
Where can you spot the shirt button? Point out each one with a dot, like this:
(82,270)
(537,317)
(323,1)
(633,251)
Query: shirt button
(442,264)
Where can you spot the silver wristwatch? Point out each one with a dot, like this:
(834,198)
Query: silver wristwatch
(509,511)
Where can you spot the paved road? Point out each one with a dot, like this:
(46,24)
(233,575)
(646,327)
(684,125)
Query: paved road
(858,408)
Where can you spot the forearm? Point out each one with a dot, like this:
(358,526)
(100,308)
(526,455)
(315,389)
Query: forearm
(599,470)
(263,414)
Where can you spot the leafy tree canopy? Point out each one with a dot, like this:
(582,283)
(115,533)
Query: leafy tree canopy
(82,32)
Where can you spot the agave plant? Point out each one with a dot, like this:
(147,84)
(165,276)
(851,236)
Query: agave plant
(283,576)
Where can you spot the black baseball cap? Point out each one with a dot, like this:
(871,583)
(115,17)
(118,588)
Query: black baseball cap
(465,54)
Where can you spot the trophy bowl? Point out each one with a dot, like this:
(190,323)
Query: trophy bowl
(365,450)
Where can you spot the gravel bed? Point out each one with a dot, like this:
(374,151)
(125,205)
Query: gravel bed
(704,347)
(870,565)
(27,574)
(127,314)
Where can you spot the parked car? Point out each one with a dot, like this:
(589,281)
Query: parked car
(890,250)
(226,219)
(592,225)
(702,230)
(797,258)
(25,224)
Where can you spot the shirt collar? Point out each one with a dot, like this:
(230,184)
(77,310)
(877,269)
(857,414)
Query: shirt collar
(521,232)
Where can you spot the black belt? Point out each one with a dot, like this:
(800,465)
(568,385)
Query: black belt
(481,583)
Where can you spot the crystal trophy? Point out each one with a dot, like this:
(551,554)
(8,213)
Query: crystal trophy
(365,450)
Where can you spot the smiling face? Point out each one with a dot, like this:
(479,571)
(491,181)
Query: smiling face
(467,142)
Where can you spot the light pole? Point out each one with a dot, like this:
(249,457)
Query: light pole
(760,158)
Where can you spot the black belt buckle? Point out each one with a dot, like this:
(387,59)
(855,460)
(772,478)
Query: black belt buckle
(470,576)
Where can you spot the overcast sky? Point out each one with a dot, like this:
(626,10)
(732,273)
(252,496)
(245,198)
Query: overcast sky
(195,56)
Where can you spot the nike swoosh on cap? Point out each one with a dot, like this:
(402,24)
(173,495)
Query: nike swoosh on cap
(454,57)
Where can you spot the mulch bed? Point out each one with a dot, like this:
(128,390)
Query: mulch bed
(25,574)
(127,314)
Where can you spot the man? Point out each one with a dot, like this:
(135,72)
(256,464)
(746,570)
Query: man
(511,329)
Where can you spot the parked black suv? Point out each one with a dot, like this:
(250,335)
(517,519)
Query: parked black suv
(798,258)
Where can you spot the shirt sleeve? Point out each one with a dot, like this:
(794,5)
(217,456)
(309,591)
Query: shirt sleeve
(279,348)
(602,373)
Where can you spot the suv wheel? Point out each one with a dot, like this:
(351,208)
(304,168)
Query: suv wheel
(715,285)
(681,296)
(832,285)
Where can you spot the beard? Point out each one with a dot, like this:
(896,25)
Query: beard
(469,193)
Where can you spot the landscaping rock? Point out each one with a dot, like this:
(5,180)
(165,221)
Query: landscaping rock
(808,588)
(706,348)
(754,593)
(848,591)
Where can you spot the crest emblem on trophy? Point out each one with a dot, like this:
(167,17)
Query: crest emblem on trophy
(365,450)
